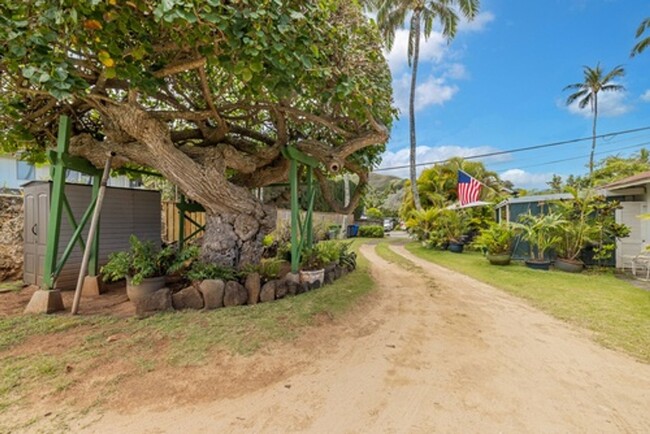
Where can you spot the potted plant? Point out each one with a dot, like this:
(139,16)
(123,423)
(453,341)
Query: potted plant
(454,225)
(312,266)
(144,267)
(541,233)
(496,241)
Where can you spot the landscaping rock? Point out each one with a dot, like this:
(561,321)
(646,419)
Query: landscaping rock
(253,286)
(315,284)
(285,268)
(187,298)
(235,294)
(281,289)
(160,300)
(303,287)
(338,272)
(329,277)
(292,288)
(268,291)
(292,277)
(212,292)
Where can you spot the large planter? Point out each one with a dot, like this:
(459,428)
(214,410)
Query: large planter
(501,259)
(311,276)
(569,266)
(538,265)
(147,287)
(456,247)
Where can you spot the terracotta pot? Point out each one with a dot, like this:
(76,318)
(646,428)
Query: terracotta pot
(456,247)
(147,287)
(500,259)
(569,266)
(538,265)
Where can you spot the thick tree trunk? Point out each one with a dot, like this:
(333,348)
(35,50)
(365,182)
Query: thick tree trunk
(235,240)
(236,221)
(415,28)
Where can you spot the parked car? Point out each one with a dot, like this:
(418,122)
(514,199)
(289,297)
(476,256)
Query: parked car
(389,225)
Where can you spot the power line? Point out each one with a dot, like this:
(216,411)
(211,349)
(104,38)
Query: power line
(526,148)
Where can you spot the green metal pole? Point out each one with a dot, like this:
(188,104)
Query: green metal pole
(295,248)
(56,202)
(93,264)
(309,225)
(181,224)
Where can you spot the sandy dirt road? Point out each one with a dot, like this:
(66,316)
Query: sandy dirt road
(435,351)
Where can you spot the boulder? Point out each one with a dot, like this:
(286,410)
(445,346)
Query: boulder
(292,288)
(315,284)
(253,286)
(212,292)
(292,277)
(187,298)
(329,277)
(268,291)
(160,300)
(235,294)
(281,289)
(303,287)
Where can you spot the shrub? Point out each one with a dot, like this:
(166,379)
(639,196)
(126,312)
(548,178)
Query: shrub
(497,239)
(374,214)
(202,270)
(371,231)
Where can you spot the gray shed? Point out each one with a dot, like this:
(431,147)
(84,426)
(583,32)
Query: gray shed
(125,212)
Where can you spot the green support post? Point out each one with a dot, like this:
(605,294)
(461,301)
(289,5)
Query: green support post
(293,182)
(56,204)
(93,263)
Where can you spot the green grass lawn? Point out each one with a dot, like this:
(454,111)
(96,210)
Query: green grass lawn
(173,339)
(618,312)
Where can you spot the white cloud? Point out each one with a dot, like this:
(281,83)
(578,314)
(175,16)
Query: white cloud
(521,178)
(477,24)
(425,154)
(432,49)
(456,71)
(610,104)
(646,96)
(432,91)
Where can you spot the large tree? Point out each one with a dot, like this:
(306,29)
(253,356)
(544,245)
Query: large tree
(206,92)
(586,94)
(421,15)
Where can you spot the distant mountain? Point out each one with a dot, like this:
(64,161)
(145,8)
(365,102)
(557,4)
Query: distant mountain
(384,182)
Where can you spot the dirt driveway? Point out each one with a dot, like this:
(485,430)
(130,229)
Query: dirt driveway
(435,351)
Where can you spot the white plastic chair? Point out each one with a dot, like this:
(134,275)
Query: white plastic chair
(641,266)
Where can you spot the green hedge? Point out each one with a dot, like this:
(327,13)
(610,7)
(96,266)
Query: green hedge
(371,231)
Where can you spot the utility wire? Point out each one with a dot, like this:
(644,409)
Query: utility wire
(526,148)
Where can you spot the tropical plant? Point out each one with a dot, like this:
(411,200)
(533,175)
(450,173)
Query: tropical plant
(203,270)
(541,232)
(143,261)
(586,93)
(313,259)
(347,257)
(374,213)
(644,43)
(497,239)
(578,228)
(392,15)
(453,224)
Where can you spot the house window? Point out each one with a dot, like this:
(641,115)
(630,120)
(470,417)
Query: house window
(25,171)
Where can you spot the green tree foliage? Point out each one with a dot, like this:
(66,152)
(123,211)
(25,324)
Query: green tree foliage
(422,15)
(206,92)
(643,42)
(586,94)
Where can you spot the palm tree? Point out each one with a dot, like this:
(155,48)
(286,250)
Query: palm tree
(643,43)
(586,93)
(392,15)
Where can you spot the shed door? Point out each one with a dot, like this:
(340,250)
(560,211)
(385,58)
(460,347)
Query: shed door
(629,247)
(37,206)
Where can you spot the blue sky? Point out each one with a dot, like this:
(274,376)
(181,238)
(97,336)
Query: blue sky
(499,85)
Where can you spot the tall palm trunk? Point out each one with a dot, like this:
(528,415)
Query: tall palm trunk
(593,137)
(415,29)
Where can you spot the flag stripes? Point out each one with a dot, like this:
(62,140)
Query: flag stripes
(469,188)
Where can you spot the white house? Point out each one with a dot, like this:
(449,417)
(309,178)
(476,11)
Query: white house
(635,202)
(15,172)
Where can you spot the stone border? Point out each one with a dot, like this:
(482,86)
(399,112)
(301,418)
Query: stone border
(214,294)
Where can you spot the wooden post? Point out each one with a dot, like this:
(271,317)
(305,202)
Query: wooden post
(91,234)
(93,265)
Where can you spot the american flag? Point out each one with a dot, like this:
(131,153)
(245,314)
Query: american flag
(468,188)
